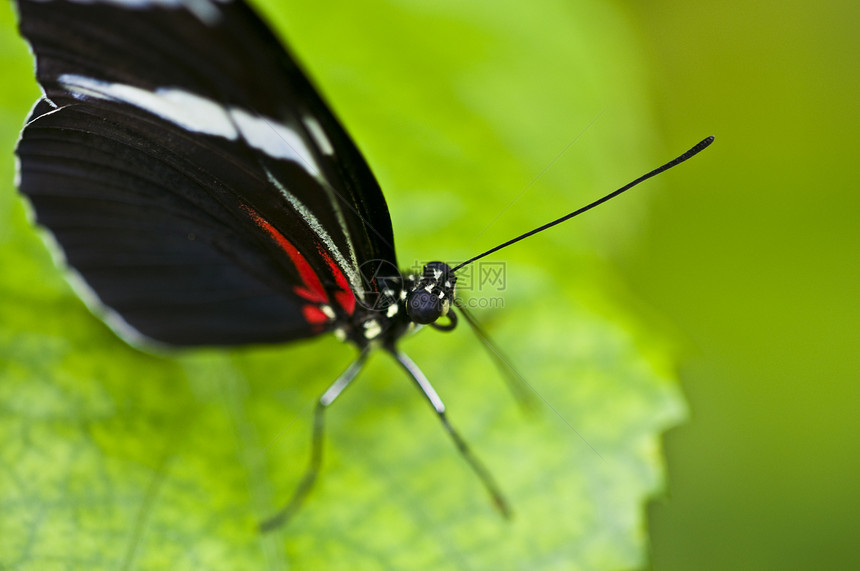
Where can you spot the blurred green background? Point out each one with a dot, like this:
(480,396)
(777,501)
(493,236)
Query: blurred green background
(757,265)
(745,258)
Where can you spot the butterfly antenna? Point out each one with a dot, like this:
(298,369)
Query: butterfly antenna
(518,386)
(675,162)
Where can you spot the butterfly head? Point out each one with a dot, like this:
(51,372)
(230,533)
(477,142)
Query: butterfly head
(431,296)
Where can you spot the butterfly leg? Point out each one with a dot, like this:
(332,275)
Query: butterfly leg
(307,482)
(433,398)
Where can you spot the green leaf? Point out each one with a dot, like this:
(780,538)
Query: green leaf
(115,458)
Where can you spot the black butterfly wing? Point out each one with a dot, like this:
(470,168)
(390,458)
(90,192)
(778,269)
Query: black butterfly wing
(192,175)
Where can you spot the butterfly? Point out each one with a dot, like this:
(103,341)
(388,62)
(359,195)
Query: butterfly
(206,194)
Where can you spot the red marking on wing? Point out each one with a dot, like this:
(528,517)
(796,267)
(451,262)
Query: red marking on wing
(345,297)
(313,290)
(314,315)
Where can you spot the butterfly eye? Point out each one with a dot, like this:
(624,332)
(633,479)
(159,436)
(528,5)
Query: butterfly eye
(423,306)
(430,298)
